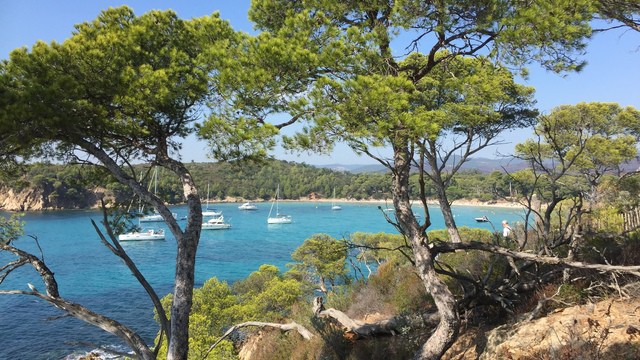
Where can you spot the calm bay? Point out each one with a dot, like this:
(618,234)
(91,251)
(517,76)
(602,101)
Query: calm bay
(89,274)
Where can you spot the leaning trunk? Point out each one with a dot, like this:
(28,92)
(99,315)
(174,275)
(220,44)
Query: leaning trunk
(187,243)
(447,214)
(447,329)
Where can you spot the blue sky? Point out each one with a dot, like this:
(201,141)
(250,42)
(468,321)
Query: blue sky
(612,73)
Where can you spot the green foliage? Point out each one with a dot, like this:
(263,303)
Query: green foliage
(265,295)
(248,180)
(268,294)
(10,228)
(396,288)
(466,234)
(473,264)
(322,257)
(376,249)
(132,82)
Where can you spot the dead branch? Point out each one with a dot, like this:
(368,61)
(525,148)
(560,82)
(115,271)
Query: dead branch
(78,311)
(444,247)
(535,313)
(306,334)
(52,296)
(361,329)
(116,248)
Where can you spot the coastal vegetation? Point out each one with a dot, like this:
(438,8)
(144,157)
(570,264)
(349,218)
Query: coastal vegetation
(73,186)
(126,90)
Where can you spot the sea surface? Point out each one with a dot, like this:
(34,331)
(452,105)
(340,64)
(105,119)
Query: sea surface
(89,274)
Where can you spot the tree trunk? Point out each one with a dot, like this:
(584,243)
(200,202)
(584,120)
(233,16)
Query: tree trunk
(187,241)
(184,281)
(447,329)
(447,213)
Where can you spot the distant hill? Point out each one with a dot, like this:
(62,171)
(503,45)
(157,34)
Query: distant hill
(483,165)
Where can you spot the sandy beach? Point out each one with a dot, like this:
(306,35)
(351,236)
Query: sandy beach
(389,202)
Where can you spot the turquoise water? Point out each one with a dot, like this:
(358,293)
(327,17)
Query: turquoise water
(89,274)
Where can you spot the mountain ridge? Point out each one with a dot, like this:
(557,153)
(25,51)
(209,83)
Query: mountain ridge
(484,165)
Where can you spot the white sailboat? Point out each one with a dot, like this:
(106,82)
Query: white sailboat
(278,218)
(210,212)
(155,217)
(335,206)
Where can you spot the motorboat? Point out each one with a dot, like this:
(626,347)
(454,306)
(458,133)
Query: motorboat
(482,219)
(144,234)
(155,217)
(278,218)
(216,223)
(248,206)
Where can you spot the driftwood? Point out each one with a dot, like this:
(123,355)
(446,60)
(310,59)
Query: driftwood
(306,334)
(356,328)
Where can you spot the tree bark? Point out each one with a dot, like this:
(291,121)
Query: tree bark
(447,214)
(359,328)
(185,264)
(447,329)
(527,256)
(187,240)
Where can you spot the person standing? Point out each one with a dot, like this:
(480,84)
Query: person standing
(506,229)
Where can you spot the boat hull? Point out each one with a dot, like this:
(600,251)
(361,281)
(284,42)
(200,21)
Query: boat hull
(206,226)
(248,206)
(211,213)
(280,220)
(142,236)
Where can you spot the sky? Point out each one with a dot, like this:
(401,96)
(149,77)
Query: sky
(612,73)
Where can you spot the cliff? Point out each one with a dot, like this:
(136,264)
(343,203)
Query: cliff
(38,199)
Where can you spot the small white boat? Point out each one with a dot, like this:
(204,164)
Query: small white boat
(335,206)
(145,234)
(217,223)
(248,206)
(155,217)
(279,218)
(210,212)
(482,219)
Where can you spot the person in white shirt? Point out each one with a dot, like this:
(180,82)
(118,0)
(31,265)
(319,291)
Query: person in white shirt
(506,229)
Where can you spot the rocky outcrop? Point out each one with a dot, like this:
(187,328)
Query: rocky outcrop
(604,330)
(38,199)
(29,199)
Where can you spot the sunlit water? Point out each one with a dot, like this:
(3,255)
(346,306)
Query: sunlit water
(89,274)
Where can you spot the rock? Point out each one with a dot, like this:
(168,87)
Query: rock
(604,330)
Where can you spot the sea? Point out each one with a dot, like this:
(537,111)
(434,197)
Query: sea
(89,274)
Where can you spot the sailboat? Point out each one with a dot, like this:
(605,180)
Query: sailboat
(278,218)
(334,206)
(210,212)
(155,217)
